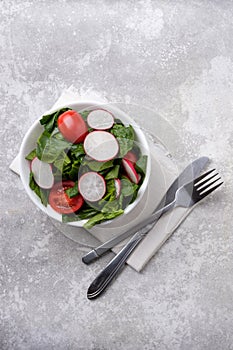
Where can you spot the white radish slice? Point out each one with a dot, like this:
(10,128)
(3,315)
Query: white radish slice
(92,186)
(100,119)
(101,146)
(130,171)
(117,183)
(42,173)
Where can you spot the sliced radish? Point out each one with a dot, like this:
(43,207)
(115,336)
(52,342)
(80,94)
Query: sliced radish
(117,183)
(101,145)
(42,173)
(92,186)
(131,156)
(130,171)
(100,119)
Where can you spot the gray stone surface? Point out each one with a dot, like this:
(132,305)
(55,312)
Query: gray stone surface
(175,57)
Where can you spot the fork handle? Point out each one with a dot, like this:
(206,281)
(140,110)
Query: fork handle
(111,270)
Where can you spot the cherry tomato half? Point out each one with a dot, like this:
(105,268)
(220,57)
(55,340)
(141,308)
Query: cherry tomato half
(60,201)
(131,156)
(72,126)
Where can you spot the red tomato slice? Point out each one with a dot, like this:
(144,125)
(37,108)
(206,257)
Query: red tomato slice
(131,156)
(72,126)
(60,201)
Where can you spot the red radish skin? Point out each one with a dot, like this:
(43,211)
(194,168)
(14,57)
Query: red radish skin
(117,183)
(130,171)
(132,157)
(40,168)
(100,119)
(101,146)
(87,186)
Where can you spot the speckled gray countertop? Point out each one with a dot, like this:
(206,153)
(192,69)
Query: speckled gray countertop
(175,57)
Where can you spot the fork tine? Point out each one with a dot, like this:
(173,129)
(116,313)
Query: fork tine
(203,176)
(203,186)
(204,181)
(204,194)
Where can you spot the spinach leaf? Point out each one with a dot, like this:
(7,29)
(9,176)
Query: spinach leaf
(71,170)
(77,150)
(100,217)
(62,161)
(113,173)
(49,147)
(82,214)
(50,120)
(31,155)
(124,136)
(110,194)
(97,166)
(141,165)
(72,191)
(128,188)
(41,193)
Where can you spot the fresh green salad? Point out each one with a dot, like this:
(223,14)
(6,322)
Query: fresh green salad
(86,165)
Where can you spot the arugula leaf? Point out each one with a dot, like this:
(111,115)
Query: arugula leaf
(72,191)
(49,121)
(124,136)
(113,173)
(31,155)
(41,193)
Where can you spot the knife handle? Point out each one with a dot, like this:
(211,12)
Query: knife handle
(111,270)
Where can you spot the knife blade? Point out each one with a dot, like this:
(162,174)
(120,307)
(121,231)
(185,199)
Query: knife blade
(188,174)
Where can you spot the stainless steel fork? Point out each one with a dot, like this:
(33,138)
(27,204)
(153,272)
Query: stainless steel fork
(186,196)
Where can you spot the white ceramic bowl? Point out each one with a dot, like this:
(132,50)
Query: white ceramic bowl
(29,143)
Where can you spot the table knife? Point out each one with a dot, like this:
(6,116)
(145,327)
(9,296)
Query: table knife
(189,173)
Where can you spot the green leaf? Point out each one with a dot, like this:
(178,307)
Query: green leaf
(97,166)
(124,136)
(84,115)
(141,164)
(71,170)
(100,217)
(128,188)
(113,173)
(110,194)
(50,120)
(77,150)
(62,161)
(31,155)
(49,147)
(72,191)
(82,214)
(41,193)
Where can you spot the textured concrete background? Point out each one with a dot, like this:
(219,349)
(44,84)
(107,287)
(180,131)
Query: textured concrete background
(175,57)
